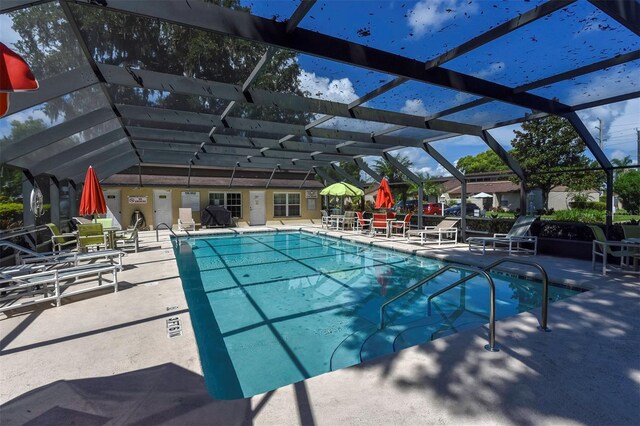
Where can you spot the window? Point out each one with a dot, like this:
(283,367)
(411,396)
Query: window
(231,201)
(286,204)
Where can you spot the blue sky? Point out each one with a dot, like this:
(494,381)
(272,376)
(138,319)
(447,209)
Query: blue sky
(575,36)
(572,37)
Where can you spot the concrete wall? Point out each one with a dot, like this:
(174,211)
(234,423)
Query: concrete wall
(147,209)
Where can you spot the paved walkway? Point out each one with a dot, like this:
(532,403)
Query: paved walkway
(106,359)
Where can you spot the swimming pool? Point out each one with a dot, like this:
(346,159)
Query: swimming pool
(270,309)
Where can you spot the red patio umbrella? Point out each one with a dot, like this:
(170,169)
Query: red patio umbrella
(15,76)
(92,200)
(384,199)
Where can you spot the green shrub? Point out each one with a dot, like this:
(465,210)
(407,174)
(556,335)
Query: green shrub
(10,215)
(581,215)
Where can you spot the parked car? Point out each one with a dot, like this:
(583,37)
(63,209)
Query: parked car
(432,208)
(455,210)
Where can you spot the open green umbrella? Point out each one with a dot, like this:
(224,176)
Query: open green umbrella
(341,189)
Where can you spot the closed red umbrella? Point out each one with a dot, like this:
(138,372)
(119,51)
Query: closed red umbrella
(92,200)
(384,199)
(15,76)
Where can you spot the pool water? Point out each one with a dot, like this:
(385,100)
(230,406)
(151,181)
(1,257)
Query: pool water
(271,309)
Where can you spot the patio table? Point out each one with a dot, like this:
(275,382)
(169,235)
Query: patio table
(336,221)
(111,236)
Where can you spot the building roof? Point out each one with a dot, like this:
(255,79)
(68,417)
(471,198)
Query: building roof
(453,187)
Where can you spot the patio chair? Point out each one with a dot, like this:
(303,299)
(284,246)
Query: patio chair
(129,238)
(517,239)
(325,219)
(379,223)
(361,223)
(401,225)
(60,241)
(603,248)
(185,219)
(348,221)
(90,235)
(106,222)
(446,232)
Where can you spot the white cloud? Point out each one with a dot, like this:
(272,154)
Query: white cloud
(625,80)
(431,15)
(492,69)
(619,124)
(414,106)
(617,154)
(504,135)
(337,90)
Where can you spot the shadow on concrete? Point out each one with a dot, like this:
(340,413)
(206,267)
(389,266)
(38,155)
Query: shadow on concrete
(584,371)
(166,394)
(14,333)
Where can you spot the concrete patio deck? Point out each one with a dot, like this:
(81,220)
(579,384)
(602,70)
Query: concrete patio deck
(106,359)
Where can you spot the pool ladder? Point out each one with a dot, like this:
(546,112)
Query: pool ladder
(492,293)
(164,225)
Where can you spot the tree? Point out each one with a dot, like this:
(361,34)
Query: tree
(624,162)
(430,186)
(397,182)
(348,166)
(11,186)
(547,150)
(487,161)
(49,46)
(627,186)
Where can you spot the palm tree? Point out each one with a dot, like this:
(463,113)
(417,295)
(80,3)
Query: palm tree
(393,175)
(626,161)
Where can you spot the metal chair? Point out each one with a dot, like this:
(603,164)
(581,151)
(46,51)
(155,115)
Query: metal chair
(401,225)
(59,240)
(90,235)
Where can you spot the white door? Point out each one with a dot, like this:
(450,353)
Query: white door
(114,208)
(257,208)
(162,208)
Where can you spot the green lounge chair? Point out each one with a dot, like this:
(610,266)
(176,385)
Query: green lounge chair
(61,241)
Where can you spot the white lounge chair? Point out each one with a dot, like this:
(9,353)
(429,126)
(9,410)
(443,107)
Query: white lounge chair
(185,219)
(516,240)
(445,232)
(32,261)
(54,284)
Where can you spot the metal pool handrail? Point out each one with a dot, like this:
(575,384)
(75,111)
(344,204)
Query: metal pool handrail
(476,271)
(545,287)
(170,230)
